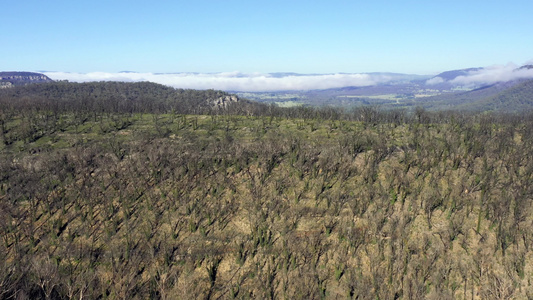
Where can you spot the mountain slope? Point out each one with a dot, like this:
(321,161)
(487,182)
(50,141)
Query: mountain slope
(463,98)
(515,99)
(121,97)
(512,96)
(450,75)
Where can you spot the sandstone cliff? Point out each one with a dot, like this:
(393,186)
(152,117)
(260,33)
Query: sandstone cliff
(8,79)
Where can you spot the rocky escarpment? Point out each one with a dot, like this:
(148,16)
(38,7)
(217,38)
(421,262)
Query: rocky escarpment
(224,101)
(5,85)
(9,79)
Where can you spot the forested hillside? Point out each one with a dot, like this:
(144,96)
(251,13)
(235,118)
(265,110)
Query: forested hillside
(112,200)
(119,97)
(517,98)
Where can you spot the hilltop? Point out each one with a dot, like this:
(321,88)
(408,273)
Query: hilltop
(450,75)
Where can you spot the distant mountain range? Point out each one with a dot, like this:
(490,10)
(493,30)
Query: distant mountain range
(480,89)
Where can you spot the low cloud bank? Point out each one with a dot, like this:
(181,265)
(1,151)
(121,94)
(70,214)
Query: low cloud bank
(435,80)
(494,74)
(232,81)
(489,75)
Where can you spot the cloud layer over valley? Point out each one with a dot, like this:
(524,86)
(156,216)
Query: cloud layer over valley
(259,82)
(234,81)
(488,75)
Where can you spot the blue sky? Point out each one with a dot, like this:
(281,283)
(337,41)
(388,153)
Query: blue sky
(421,37)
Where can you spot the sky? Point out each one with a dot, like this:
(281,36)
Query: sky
(260,37)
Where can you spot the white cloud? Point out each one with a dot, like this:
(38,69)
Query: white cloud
(435,80)
(493,74)
(232,81)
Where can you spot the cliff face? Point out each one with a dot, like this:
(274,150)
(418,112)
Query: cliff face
(5,84)
(8,79)
(224,101)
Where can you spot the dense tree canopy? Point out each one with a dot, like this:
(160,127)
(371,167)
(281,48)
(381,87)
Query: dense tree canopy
(107,191)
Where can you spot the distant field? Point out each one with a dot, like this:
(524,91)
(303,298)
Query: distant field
(288,103)
(381,97)
(271,97)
